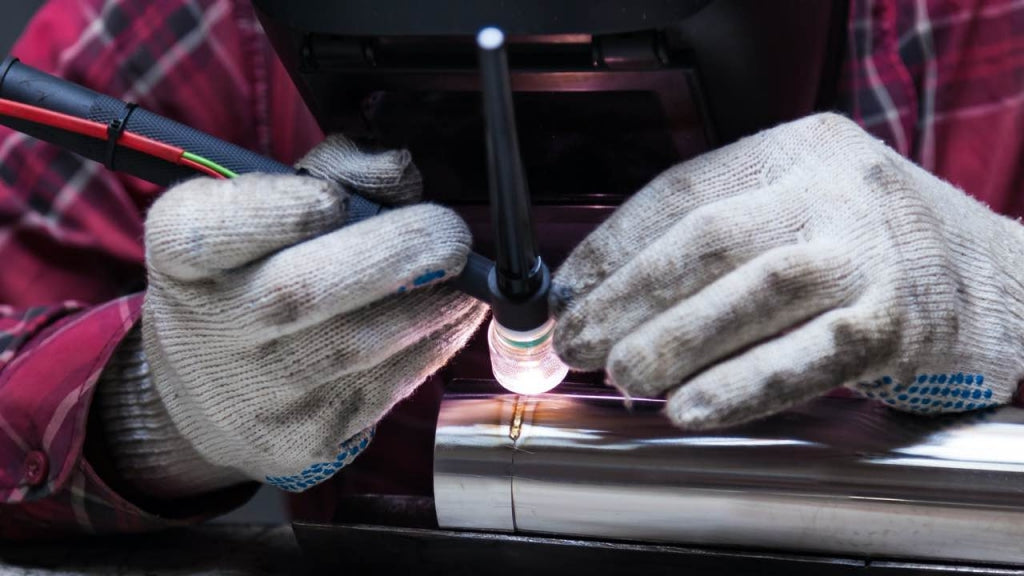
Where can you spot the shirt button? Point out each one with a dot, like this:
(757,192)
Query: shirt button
(36,467)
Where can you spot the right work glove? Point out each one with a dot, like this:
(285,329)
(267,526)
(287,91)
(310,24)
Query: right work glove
(803,258)
(273,338)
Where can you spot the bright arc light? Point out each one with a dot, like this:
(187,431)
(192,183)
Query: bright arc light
(525,362)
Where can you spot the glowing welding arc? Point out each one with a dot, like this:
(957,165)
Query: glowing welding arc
(525,362)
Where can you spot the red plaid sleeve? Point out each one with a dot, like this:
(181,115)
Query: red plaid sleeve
(942,82)
(71,234)
(44,398)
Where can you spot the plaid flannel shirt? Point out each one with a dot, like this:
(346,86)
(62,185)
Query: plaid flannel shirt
(71,248)
(942,81)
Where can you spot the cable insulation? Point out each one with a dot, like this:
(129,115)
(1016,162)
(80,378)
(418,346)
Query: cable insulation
(199,167)
(210,164)
(99,131)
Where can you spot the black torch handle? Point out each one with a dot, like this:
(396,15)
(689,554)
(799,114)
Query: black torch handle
(22,83)
(521,280)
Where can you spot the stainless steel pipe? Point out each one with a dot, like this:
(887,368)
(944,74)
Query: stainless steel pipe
(837,476)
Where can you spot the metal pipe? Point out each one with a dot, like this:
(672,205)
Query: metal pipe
(838,476)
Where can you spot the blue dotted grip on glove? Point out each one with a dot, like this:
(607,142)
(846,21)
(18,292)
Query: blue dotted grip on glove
(423,279)
(317,473)
(931,393)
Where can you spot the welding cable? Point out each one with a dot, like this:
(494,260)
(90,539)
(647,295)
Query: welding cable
(99,131)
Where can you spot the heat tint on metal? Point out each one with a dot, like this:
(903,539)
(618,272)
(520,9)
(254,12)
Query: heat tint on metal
(839,477)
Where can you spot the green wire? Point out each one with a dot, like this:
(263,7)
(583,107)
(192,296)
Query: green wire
(209,164)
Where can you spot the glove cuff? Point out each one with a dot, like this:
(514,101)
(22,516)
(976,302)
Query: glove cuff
(146,447)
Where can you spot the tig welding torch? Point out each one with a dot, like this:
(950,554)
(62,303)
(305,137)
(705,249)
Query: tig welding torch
(520,336)
(129,139)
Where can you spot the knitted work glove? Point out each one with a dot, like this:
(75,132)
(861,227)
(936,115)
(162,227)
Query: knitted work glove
(802,258)
(273,339)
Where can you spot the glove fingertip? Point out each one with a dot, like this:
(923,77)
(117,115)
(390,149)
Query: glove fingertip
(573,346)
(561,297)
(636,369)
(439,240)
(441,225)
(202,227)
(383,176)
(692,409)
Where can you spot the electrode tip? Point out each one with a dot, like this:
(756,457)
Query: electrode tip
(490,38)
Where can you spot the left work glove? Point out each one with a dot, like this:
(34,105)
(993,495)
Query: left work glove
(802,258)
(274,337)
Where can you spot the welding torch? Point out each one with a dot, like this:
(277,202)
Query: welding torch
(519,338)
(127,138)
